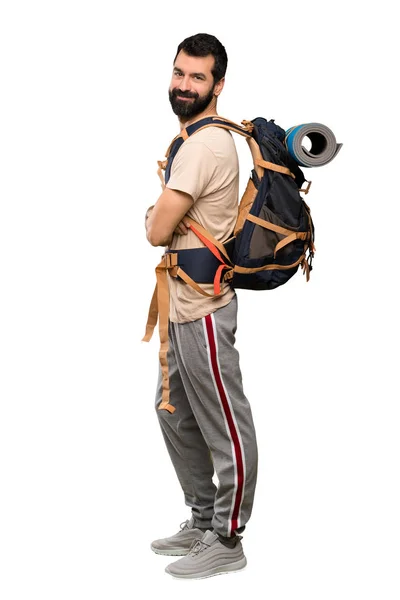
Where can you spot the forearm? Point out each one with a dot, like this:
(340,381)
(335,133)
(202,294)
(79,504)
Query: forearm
(164,218)
(147,223)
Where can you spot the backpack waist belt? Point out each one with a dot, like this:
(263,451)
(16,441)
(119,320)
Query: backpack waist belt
(200,264)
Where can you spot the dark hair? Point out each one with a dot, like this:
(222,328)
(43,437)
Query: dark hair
(203,44)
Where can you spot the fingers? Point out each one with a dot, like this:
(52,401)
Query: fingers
(181,229)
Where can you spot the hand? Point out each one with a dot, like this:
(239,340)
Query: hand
(182,228)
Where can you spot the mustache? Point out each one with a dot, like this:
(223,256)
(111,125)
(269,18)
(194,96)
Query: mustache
(177,92)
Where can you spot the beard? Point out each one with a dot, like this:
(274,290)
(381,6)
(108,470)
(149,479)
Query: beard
(191,108)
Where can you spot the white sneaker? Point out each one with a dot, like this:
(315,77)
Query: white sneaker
(207,557)
(180,543)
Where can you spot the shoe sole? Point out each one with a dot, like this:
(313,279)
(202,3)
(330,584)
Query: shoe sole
(234,567)
(176,552)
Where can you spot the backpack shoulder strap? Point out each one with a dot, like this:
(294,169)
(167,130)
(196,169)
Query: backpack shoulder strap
(216,121)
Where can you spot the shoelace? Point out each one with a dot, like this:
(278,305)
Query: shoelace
(184,525)
(197,546)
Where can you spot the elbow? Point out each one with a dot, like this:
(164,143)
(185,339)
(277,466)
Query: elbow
(150,234)
(151,239)
(155,239)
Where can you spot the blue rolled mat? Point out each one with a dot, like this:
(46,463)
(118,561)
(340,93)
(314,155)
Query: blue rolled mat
(323,144)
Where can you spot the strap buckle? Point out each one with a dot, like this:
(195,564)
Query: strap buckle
(228,275)
(248,126)
(307,189)
(170,260)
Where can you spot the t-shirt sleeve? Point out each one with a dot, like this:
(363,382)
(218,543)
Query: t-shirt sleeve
(193,169)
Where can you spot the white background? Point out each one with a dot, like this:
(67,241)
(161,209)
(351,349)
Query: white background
(86,482)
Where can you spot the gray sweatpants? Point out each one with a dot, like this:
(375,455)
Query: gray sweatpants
(212,426)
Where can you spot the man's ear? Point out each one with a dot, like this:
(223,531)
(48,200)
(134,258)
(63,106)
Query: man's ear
(219,87)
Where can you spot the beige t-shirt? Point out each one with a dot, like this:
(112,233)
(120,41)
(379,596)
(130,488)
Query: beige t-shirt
(206,166)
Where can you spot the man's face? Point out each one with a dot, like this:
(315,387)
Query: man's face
(192,85)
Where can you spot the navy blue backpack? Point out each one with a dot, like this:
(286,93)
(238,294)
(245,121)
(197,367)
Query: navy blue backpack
(274,232)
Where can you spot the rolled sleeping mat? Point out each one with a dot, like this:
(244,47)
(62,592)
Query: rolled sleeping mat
(323,144)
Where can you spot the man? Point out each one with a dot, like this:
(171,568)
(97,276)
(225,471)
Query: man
(211,426)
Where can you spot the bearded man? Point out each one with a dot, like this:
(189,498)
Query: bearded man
(207,426)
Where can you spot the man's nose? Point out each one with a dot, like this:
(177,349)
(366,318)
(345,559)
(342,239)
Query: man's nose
(184,85)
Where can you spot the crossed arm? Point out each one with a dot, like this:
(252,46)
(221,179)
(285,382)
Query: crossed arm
(166,217)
